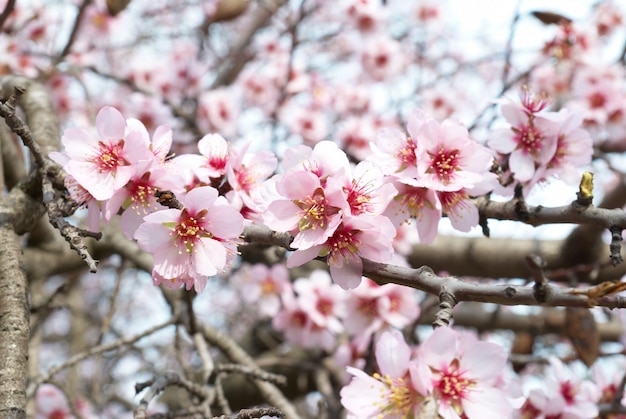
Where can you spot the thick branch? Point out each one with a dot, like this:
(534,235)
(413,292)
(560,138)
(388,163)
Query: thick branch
(14,327)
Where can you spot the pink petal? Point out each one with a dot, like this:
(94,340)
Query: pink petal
(440,348)
(487,403)
(392,354)
(200,198)
(300,257)
(208,256)
(110,124)
(225,221)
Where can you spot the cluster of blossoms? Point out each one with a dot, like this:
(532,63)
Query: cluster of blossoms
(313,312)
(334,209)
(539,145)
(120,169)
(436,168)
(450,374)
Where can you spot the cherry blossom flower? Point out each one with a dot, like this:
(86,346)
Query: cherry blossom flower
(51,403)
(382,58)
(218,111)
(365,15)
(354,238)
(212,161)
(310,211)
(194,243)
(245,174)
(388,393)
(574,147)
(325,160)
(104,163)
(322,300)
(461,378)
(447,159)
(298,326)
(530,142)
(365,189)
(419,203)
(263,286)
(394,152)
(371,307)
(310,124)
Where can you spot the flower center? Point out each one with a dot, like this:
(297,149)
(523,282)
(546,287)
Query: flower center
(444,164)
(414,199)
(140,192)
(453,386)
(109,156)
(529,138)
(325,306)
(343,244)
(359,196)
(189,230)
(406,154)
(314,210)
(449,200)
(396,399)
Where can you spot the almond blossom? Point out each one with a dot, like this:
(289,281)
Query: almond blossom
(447,159)
(194,243)
(371,308)
(462,378)
(389,393)
(263,286)
(104,163)
(530,142)
(299,326)
(357,237)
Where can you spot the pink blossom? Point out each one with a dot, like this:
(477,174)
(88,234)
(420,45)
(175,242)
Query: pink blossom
(574,147)
(310,211)
(298,325)
(461,210)
(355,238)
(325,160)
(395,153)
(193,243)
(104,163)
(419,203)
(137,198)
(355,135)
(51,403)
(245,174)
(310,124)
(530,142)
(371,307)
(218,111)
(263,286)
(365,15)
(365,189)
(322,300)
(212,161)
(389,393)
(461,378)
(447,159)
(382,58)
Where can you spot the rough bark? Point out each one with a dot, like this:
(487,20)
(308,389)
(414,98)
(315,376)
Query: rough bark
(14,327)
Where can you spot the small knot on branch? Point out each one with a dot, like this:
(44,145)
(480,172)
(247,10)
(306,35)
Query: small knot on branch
(446,309)
(616,245)
(168,199)
(536,265)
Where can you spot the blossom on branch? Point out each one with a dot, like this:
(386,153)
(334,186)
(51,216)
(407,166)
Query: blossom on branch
(194,243)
